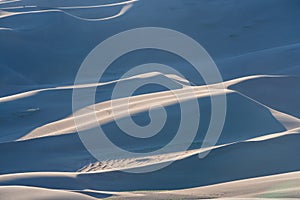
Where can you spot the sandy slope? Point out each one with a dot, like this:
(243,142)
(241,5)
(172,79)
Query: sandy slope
(256,47)
(276,92)
(23,193)
(275,186)
(273,154)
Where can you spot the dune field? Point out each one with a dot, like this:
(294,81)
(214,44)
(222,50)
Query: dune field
(46,118)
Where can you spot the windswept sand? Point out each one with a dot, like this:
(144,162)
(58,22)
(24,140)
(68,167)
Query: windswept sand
(256,47)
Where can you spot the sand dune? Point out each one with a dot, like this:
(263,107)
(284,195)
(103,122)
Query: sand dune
(274,92)
(256,47)
(65,126)
(275,186)
(23,193)
(216,168)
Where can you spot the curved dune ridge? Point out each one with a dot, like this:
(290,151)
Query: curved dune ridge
(138,104)
(256,47)
(28,8)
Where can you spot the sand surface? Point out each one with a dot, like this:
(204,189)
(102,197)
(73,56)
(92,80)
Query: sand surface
(256,47)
